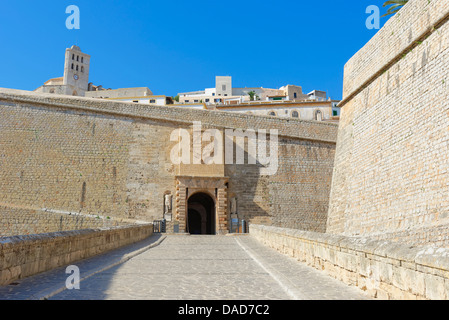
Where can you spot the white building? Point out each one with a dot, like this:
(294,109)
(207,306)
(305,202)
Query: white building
(153,100)
(304,110)
(224,93)
(137,95)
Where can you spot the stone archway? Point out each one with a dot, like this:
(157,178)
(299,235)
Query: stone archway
(201,214)
(215,188)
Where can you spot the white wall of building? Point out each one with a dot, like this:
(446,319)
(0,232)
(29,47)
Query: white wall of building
(317,113)
(152,100)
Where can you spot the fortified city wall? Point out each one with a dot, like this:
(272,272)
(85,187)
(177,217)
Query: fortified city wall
(84,158)
(391,176)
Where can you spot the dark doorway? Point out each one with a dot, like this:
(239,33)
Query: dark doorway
(201,214)
(195,222)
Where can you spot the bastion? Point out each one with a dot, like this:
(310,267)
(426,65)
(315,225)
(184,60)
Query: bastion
(70,163)
(391,177)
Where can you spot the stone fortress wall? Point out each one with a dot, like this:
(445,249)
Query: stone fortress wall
(110,159)
(87,163)
(18,221)
(391,167)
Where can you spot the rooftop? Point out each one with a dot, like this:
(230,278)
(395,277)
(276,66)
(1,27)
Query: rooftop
(60,79)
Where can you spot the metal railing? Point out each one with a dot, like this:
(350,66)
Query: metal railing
(159,226)
(239,226)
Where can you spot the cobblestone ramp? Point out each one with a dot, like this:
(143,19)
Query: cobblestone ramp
(207,268)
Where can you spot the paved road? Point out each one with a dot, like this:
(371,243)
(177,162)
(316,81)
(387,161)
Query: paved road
(181,267)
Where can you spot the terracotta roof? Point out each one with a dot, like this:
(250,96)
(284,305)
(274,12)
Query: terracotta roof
(54,79)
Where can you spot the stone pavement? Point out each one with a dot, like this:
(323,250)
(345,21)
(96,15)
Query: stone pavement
(183,267)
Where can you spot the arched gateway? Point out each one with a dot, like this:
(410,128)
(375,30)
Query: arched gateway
(201,205)
(201,214)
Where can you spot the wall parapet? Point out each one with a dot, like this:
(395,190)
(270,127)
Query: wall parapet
(383,269)
(22,220)
(416,21)
(24,256)
(295,128)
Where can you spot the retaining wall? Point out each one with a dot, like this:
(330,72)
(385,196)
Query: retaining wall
(25,221)
(384,269)
(23,256)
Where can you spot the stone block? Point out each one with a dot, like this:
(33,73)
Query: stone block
(409,280)
(436,287)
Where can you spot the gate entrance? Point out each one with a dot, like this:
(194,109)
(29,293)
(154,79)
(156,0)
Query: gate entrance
(201,214)
(202,202)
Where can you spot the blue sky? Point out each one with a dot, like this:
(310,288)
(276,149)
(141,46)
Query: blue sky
(178,46)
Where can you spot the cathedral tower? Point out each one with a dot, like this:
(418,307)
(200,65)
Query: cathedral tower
(76,71)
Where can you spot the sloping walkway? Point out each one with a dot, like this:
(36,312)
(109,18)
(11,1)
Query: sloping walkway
(182,267)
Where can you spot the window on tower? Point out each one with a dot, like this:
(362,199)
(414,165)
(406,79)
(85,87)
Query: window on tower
(76,68)
(72,66)
(82,59)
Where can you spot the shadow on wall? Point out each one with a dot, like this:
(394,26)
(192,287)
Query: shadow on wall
(248,191)
(296,196)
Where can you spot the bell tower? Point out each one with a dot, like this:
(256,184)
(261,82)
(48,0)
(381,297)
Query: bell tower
(76,70)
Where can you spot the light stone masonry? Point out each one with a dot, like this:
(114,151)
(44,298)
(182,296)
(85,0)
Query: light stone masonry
(24,256)
(112,159)
(390,178)
(383,269)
